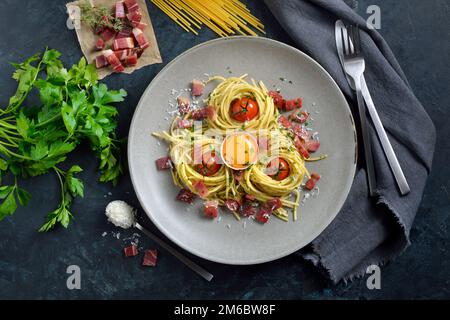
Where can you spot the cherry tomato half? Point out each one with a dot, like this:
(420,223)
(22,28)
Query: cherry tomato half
(280,173)
(244,109)
(210,164)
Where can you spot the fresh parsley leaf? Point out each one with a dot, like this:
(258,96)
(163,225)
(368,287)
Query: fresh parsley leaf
(23,196)
(9,205)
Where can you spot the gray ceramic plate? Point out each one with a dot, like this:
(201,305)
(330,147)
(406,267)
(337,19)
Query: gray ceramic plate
(229,241)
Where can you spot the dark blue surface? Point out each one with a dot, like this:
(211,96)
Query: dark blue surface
(34,265)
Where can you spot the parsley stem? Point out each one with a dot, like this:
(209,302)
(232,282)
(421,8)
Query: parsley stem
(7,125)
(48,120)
(58,173)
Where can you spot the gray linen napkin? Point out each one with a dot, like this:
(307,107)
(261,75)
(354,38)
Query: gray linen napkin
(366,231)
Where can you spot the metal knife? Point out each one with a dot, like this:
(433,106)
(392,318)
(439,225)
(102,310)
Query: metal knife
(382,135)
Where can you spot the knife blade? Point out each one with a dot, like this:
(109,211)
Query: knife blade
(381,132)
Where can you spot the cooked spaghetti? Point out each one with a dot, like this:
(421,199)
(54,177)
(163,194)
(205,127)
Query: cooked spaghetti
(241,119)
(224,17)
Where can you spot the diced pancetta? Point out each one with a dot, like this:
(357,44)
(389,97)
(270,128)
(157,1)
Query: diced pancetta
(207,112)
(131,251)
(310,184)
(100,44)
(123,43)
(273,204)
(113,60)
(140,38)
(211,209)
(131,60)
(299,116)
(124,33)
(122,54)
(184,105)
(197,88)
(184,123)
(163,163)
(119,9)
(185,196)
(150,258)
(131,5)
(312,145)
(278,100)
(141,25)
(263,215)
(232,205)
(248,209)
(134,17)
(293,104)
(100,61)
(201,188)
(107,34)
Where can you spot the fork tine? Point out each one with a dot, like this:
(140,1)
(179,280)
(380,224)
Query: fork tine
(351,36)
(355,39)
(358,39)
(344,41)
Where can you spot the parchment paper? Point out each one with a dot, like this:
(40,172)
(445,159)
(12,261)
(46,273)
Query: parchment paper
(87,38)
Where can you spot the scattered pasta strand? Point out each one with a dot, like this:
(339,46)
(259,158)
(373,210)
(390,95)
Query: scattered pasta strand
(224,17)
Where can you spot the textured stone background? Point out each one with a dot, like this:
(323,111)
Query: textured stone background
(33,265)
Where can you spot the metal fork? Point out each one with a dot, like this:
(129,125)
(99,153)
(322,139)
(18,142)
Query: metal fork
(354,66)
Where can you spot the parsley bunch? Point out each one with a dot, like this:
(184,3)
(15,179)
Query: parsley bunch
(35,140)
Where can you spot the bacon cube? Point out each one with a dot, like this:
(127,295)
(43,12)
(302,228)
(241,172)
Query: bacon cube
(184,123)
(197,88)
(119,9)
(278,100)
(293,104)
(207,112)
(232,205)
(150,258)
(184,105)
(140,38)
(248,209)
(164,163)
(100,44)
(124,33)
(211,208)
(131,251)
(122,54)
(123,43)
(312,145)
(201,188)
(263,215)
(131,5)
(131,60)
(273,204)
(100,61)
(134,17)
(141,25)
(113,60)
(298,116)
(310,184)
(185,196)
(107,34)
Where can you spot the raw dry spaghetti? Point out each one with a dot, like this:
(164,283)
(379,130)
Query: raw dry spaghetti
(224,17)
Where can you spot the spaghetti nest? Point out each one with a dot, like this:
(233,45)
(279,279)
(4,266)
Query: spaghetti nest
(227,183)
(234,88)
